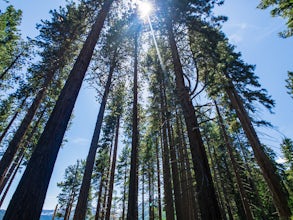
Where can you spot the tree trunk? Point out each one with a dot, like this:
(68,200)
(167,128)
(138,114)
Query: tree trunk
(188,213)
(12,119)
(113,167)
(124,194)
(98,209)
(235,166)
(29,196)
(159,180)
(55,212)
(207,200)
(168,194)
(11,169)
(279,192)
(11,180)
(11,65)
(80,210)
(142,194)
(192,202)
(151,194)
(132,211)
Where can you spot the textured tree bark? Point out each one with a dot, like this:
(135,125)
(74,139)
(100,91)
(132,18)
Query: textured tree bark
(279,192)
(235,166)
(207,200)
(29,196)
(113,167)
(132,211)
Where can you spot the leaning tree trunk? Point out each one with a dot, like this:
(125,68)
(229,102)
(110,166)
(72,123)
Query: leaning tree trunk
(11,180)
(11,65)
(113,167)
(13,119)
(30,194)
(132,211)
(80,210)
(235,166)
(206,195)
(279,192)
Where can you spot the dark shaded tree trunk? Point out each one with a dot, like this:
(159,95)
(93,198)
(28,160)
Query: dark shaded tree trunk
(279,192)
(55,212)
(151,194)
(80,210)
(113,167)
(187,202)
(192,202)
(206,195)
(11,169)
(124,194)
(11,180)
(168,194)
(142,194)
(244,198)
(29,196)
(98,208)
(12,119)
(132,211)
(159,180)
(11,65)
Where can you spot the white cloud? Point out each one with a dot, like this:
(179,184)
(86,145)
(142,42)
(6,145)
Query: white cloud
(235,38)
(281,160)
(80,140)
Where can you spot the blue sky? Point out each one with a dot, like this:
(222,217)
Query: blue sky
(254,33)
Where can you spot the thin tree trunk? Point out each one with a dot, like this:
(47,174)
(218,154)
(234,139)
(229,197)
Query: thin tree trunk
(11,65)
(11,169)
(55,212)
(193,203)
(124,194)
(142,194)
(113,167)
(98,209)
(175,176)
(12,119)
(159,180)
(235,166)
(11,180)
(168,194)
(21,152)
(219,183)
(29,196)
(132,211)
(188,213)
(207,200)
(151,194)
(279,192)
(80,210)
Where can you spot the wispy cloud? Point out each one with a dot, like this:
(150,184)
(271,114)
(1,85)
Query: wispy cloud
(80,140)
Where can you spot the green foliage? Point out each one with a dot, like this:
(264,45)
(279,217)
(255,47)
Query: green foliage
(70,188)
(289,85)
(282,8)
(287,150)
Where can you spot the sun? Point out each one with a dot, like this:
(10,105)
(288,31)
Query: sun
(144,9)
